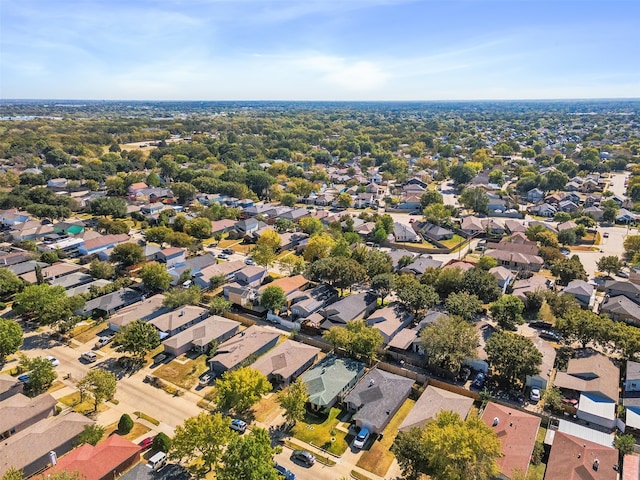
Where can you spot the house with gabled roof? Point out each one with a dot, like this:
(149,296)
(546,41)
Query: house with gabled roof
(231,354)
(353,307)
(390,320)
(573,458)
(376,398)
(583,292)
(330,379)
(110,303)
(433,401)
(593,378)
(517,432)
(286,362)
(9,386)
(20,412)
(199,336)
(173,322)
(631,290)
(147,309)
(622,309)
(104,461)
(420,265)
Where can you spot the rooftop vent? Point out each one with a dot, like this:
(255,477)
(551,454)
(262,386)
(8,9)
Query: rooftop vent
(596,464)
(496,421)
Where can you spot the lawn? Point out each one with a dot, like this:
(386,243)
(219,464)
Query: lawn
(182,371)
(378,458)
(267,409)
(84,333)
(453,241)
(137,431)
(320,432)
(73,401)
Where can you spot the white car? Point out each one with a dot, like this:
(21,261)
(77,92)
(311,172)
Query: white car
(361,438)
(534,396)
(89,357)
(54,361)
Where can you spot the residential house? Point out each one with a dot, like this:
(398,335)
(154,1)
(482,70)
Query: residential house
(173,322)
(503,275)
(194,265)
(9,386)
(110,303)
(286,362)
(71,280)
(595,212)
(173,256)
(234,352)
(29,449)
(105,461)
(390,320)
(152,208)
(329,380)
(420,265)
(517,432)
(622,309)
(291,240)
(404,233)
(51,272)
(248,226)
(574,458)
(417,181)
(134,188)
(625,216)
(631,400)
(13,217)
(435,232)
(376,398)
(353,307)
(411,202)
(147,309)
(472,225)
(222,226)
(227,270)
(613,288)
(295,215)
(57,183)
(397,254)
(572,197)
(101,243)
(568,206)
(570,225)
(542,378)
(514,226)
(290,285)
(20,412)
(13,258)
(69,228)
(310,301)
(433,401)
(516,260)
(535,195)
(593,378)
(544,210)
(532,284)
(257,209)
(583,292)
(496,204)
(86,287)
(30,230)
(24,267)
(198,337)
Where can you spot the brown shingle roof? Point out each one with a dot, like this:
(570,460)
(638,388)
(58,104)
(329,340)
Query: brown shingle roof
(573,458)
(286,358)
(433,401)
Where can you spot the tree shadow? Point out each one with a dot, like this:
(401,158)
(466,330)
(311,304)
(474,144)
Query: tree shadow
(40,341)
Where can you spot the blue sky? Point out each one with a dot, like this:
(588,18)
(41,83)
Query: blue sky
(319,49)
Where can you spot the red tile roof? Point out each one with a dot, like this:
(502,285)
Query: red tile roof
(94,463)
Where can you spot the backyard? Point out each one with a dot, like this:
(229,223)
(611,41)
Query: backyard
(323,432)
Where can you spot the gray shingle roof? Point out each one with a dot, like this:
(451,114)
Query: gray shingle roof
(329,377)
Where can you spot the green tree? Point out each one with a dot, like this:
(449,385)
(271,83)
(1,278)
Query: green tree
(273,298)
(548,239)
(100,384)
(459,449)
(631,245)
(569,269)
(463,304)
(10,283)
(90,434)
(556,180)
(408,447)
(476,199)
(260,182)
(249,457)
(137,338)
(609,264)
(447,281)
(115,207)
(462,174)
(127,254)
(204,437)
(292,264)
(512,357)
(486,262)
(311,226)
(344,200)
(199,228)
(415,295)
(98,269)
(184,191)
(10,338)
(507,311)
(567,237)
(125,424)
(157,234)
(41,374)
(161,442)
(115,186)
(46,305)
(624,443)
(480,283)
(430,197)
(437,214)
(264,255)
(219,306)
(553,399)
(284,225)
(583,326)
(288,199)
(357,338)
(179,239)
(383,284)
(240,389)
(448,341)
(49,257)
(293,400)
(155,276)
(177,297)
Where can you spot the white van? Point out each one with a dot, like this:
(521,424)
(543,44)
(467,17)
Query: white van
(158,461)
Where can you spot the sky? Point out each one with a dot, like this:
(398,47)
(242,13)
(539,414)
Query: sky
(319,49)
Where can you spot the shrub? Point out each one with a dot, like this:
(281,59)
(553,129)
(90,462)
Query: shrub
(125,424)
(162,443)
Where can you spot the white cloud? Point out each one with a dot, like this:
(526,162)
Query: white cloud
(344,73)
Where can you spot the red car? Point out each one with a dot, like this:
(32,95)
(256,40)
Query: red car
(146,443)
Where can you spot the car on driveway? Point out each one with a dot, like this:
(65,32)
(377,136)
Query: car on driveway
(550,335)
(479,381)
(283,471)
(534,396)
(229,251)
(249,261)
(102,341)
(238,425)
(147,442)
(304,457)
(24,378)
(89,357)
(54,361)
(205,380)
(361,438)
(223,256)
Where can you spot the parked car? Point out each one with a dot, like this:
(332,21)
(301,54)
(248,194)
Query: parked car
(283,471)
(479,381)
(361,438)
(102,341)
(54,361)
(25,378)
(238,425)
(249,261)
(89,357)
(622,274)
(223,256)
(605,234)
(534,396)
(540,324)
(550,335)
(565,251)
(147,442)
(229,251)
(205,380)
(304,457)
